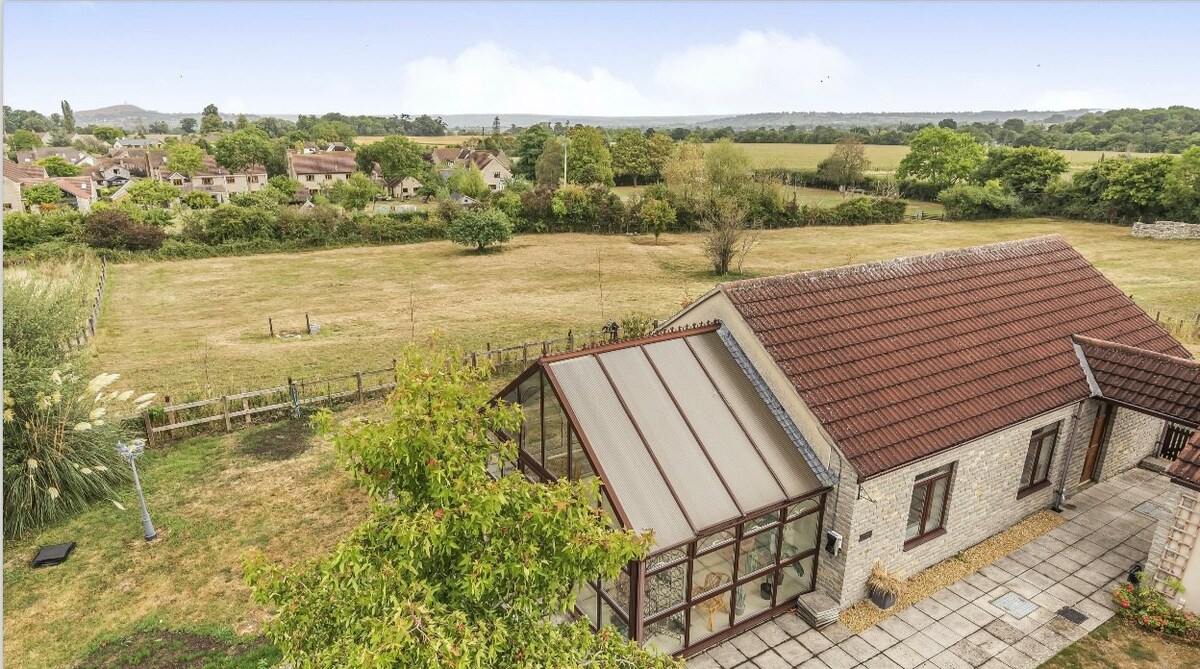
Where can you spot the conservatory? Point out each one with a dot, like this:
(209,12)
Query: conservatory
(691,446)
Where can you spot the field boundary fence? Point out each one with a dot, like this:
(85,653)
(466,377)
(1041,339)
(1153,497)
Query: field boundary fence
(78,341)
(299,397)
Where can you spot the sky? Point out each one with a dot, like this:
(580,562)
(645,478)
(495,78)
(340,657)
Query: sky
(599,59)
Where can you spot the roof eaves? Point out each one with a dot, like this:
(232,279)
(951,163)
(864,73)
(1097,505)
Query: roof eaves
(1087,368)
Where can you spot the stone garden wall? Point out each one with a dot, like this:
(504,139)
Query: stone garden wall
(1167,230)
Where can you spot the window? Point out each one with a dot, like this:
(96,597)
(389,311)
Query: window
(254,178)
(230,180)
(328,177)
(927,510)
(206,181)
(1035,475)
(310,177)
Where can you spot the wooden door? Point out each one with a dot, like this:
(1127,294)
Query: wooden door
(1100,429)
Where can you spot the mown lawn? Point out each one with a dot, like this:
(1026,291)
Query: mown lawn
(213,500)
(1117,645)
(199,327)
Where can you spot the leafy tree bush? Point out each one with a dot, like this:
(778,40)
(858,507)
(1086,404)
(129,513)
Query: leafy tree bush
(468,181)
(971,203)
(107,134)
(847,165)
(41,194)
(354,193)
(1027,171)
(588,158)
(57,166)
(480,228)
(1181,189)
(23,140)
(185,158)
(941,156)
(23,230)
(198,200)
(656,216)
(548,171)
(152,193)
(114,229)
(453,567)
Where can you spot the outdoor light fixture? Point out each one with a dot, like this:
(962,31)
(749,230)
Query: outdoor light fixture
(131,453)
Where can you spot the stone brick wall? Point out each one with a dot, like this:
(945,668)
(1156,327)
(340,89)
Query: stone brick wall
(840,507)
(1134,436)
(1167,230)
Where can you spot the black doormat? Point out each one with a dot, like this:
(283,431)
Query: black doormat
(1072,615)
(52,555)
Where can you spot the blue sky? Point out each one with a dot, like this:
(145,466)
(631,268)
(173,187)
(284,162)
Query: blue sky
(601,58)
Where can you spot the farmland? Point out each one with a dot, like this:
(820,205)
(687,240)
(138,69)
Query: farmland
(443,140)
(199,327)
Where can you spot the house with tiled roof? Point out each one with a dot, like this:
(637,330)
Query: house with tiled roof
(493,166)
(67,153)
(213,179)
(317,171)
(16,174)
(137,143)
(779,436)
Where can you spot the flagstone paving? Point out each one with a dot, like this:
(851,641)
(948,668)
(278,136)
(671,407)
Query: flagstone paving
(1075,566)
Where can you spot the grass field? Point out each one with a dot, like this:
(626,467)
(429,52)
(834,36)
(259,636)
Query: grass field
(1116,645)
(199,327)
(818,197)
(884,158)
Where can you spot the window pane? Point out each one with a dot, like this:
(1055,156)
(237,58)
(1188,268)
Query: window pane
(618,592)
(800,535)
(554,425)
(714,540)
(762,521)
(937,503)
(758,552)
(801,508)
(581,466)
(586,600)
(753,597)
(712,571)
(797,579)
(915,510)
(1030,461)
(531,405)
(665,589)
(1043,463)
(934,472)
(666,635)
(609,616)
(710,616)
(666,557)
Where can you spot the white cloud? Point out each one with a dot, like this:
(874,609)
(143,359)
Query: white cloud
(758,71)
(488,77)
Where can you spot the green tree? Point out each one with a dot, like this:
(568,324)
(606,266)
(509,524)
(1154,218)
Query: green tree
(1181,189)
(1026,171)
(530,142)
(57,166)
(452,567)
(948,123)
(941,156)
(549,168)
(160,128)
(210,120)
(847,165)
(467,180)
(23,140)
(242,148)
(660,146)
(198,200)
(68,117)
(108,134)
(354,193)
(727,170)
(333,131)
(1137,188)
(480,227)
(588,158)
(187,125)
(631,156)
(685,175)
(398,158)
(241,123)
(185,158)
(728,234)
(656,216)
(43,193)
(149,193)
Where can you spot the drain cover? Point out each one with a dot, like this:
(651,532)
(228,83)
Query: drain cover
(1014,605)
(1072,615)
(1151,509)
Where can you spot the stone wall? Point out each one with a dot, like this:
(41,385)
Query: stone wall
(1167,230)
(1134,437)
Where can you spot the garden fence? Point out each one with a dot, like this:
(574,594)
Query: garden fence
(79,340)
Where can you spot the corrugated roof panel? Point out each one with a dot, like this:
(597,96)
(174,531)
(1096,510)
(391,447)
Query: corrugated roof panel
(632,474)
(765,431)
(736,458)
(679,455)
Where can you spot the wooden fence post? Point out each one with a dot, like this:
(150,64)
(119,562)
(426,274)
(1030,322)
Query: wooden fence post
(570,340)
(170,415)
(246,406)
(358,380)
(225,408)
(149,428)
(474,360)
(525,354)
(271,327)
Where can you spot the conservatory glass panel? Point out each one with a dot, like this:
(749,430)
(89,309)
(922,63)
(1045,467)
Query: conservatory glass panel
(795,579)
(800,535)
(581,467)
(531,408)
(757,552)
(714,540)
(665,635)
(587,600)
(709,616)
(712,571)
(554,429)
(665,590)
(752,598)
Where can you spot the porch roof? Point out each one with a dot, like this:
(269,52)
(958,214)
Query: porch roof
(1164,385)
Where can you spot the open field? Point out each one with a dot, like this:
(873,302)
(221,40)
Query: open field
(199,327)
(444,140)
(1117,645)
(884,158)
(818,197)
(213,500)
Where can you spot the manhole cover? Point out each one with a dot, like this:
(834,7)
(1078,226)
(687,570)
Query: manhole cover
(1072,615)
(1151,509)
(1014,605)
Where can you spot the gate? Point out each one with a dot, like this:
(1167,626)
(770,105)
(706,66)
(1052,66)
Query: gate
(1174,438)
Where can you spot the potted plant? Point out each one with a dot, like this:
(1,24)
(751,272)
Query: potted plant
(885,587)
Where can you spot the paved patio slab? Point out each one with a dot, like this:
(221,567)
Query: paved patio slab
(1109,527)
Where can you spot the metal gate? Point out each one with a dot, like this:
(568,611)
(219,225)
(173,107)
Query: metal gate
(1174,438)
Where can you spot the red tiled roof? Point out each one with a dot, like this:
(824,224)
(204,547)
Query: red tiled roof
(906,358)
(79,187)
(21,173)
(1161,384)
(337,162)
(1186,468)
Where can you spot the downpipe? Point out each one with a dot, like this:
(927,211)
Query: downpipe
(1062,483)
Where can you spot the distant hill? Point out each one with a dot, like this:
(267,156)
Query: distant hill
(128,116)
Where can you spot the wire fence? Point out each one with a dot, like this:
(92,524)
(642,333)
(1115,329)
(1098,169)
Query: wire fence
(78,341)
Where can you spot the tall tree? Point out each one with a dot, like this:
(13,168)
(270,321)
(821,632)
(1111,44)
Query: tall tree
(467,180)
(529,147)
(398,158)
(728,235)
(1026,171)
(354,193)
(848,163)
(660,147)
(452,567)
(159,128)
(496,125)
(187,125)
(185,158)
(242,122)
(684,173)
(23,140)
(588,157)
(631,156)
(241,148)
(1181,190)
(68,117)
(728,170)
(57,166)
(210,120)
(941,156)
(549,168)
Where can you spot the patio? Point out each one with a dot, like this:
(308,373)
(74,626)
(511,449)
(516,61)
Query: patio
(1070,570)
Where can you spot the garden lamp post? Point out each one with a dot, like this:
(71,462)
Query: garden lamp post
(131,453)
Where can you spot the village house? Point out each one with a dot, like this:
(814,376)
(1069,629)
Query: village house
(67,153)
(116,172)
(76,192)
(781,435)
(494,166)
(14,176)
(318,171)
(217,181)
(137,143)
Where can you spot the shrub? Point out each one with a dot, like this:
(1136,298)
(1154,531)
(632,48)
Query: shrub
(1146,607)
(113,229)
(198,200)
(24,230)
(921,190)
(973,203)
(480,228)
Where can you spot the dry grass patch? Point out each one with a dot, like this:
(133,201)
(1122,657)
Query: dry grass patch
(865,614)
(1119,645)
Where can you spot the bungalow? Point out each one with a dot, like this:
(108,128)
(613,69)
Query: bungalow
(77,192)
(137,143)
(14,176)
(67,153)
(493,165)
(780,435)
(317,171)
